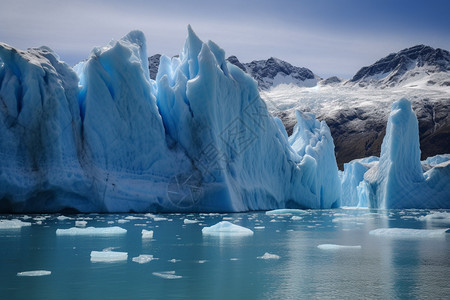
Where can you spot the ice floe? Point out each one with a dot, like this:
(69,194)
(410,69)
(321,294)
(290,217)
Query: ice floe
(143,258)
(268,255)
(34,273)
(91,231)
(337,247)
(409,233)
(13,224)
(225,228)
(108,256)
(167,275)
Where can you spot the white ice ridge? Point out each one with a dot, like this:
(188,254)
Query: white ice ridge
(408,233)
(337,247)
(13,224)
(94,231)
(35,273)
(268,255)
(167,275)
(104,137)
(108,256)
(225,228)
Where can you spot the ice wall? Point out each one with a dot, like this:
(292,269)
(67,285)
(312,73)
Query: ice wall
(312,141)
(398,180)
(109,139)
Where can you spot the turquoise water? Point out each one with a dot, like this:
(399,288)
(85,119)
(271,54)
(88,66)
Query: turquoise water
(208,267)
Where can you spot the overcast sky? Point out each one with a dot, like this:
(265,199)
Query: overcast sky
(329,37)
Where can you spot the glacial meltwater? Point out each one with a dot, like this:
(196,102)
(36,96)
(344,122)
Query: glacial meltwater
(287,254)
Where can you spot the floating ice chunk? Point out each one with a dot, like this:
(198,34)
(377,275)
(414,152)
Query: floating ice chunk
(234,259)
(108,256)
(80,223)
(296,218)
(91,231)
(13,224)
(122,221)
(188,221)
(173,260)
(202,261)
(35,273)
(436,217)
(225,228)
(133,218)
(337,247)
(409,233)
(268,255)
(143,258)
(147,234)
(156,219)
(63,218)
(167,275)
(260,227)
(285,211)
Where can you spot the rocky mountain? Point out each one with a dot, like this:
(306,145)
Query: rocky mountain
(153,65)
(404,67)
(273,71)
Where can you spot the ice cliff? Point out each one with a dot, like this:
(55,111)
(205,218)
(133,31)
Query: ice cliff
(398,179)
(104,137)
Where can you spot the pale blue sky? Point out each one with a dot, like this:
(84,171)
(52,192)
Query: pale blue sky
(329,37)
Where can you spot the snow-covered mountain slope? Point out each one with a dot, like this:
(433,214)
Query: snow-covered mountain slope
(406,68)
(357,116)
(273,71)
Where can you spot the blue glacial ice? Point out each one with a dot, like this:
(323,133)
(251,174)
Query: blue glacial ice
(398,179)
(104,137)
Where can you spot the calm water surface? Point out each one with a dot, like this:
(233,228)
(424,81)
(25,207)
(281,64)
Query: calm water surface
(207,267)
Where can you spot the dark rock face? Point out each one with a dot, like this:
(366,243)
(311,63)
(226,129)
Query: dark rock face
(235,61)
(153,64)
(392,68)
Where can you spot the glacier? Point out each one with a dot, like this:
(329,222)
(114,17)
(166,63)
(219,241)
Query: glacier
(104,137)
(398,179)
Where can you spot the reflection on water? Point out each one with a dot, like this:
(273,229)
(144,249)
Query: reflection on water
(187,264)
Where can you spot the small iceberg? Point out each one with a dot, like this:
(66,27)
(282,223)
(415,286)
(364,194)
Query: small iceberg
(268,255)
(143,258)
(286,212)
(108,256)
(188,221)
(337,247)
(409,233)
(167,275)
(147,234)
(13,224)
(225,228)
(35,273)
(443,217)
(92,231)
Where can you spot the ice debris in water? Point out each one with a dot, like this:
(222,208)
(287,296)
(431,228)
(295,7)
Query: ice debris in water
(337,247)
(63,218)
(147,234)
(80,223)
(408,233)
(268,255)
(108,256)
(296,218)
(91,231)
(143,258)
(13,224)
(225,228)
(167,275)
(286,212)
(34,273)
(188,221)
(436,217)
